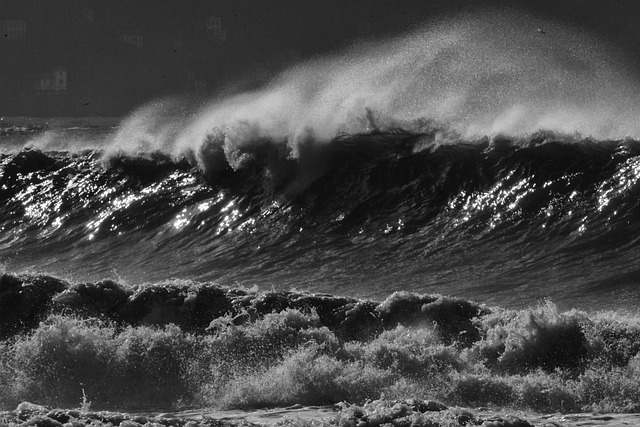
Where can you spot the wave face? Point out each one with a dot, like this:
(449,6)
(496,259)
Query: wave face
(501,220)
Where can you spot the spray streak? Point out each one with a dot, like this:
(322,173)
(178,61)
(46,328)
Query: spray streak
(483,74)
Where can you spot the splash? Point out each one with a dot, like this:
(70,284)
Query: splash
(166,346)
(480,74)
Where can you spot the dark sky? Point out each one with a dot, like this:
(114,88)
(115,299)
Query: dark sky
(258,30)
(314,25)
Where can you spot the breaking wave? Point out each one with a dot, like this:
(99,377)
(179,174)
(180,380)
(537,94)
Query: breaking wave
(489,215)
(184,344)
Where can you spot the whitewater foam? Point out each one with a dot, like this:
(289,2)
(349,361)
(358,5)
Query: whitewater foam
(153,350)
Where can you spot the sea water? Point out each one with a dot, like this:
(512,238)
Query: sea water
(451,215)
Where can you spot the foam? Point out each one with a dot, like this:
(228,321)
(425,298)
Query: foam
(264,353)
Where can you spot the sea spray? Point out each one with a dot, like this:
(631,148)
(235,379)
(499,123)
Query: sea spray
(479,74)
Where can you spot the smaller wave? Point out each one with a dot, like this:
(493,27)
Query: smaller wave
(187,344)
(26,300)
(11,129)
(55,134)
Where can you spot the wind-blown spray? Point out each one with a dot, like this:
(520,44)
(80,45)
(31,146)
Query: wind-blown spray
(478,74)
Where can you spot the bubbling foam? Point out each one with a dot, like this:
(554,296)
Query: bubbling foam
(478,74)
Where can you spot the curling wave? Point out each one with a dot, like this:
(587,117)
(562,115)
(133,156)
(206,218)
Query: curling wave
(488,215)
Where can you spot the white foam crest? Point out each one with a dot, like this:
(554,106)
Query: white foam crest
(152,127)
(480,74)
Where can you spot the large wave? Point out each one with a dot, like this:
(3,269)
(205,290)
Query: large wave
(547,215)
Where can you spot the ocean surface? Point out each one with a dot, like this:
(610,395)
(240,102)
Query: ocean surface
(404,223)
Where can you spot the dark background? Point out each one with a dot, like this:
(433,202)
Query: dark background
(107,76)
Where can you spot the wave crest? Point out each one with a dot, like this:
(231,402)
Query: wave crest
(480,74)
